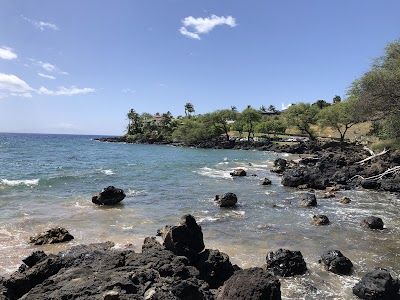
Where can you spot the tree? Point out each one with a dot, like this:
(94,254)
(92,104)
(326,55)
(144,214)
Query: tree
(233,108)
(302,116)
(263,109)
(250,116)
(272,109)
(274,126)
(340,117)
(337,99)
(220,120)
(377,92)
(322,103)
(135,123)
(189,109)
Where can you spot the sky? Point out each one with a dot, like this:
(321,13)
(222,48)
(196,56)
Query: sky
(78,67)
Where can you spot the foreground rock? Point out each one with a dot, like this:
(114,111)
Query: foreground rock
(51,236)
(266,181)
(372,222)
(377,285)
(251,284)
(280,165)
(286,263)
(320,220)
(308,199)
(109,196)
(334,261)
(238,172)
(227,200)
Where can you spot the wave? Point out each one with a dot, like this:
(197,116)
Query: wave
(107,172)
(133,193)
(28,182)
(214,173)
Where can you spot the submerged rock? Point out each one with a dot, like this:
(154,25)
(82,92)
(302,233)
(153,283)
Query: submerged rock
(334,261)
(286,263)
(308,199)
(238,172)
(377,284)
(372,222)
(51,236)
(109,196)
(265,181)
(227,200)
(320,220)
(251,284)
(345,200)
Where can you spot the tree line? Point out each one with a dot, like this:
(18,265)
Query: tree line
(374,97)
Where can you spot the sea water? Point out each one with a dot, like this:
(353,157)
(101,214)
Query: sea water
(48,180)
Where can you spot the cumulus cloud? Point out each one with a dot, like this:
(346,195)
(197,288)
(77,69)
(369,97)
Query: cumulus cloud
(63,91)
(204,25)
(46,76)
(41,25)
(13,86)
(7,53)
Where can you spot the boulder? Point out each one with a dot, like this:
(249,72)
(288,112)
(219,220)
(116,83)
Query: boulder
(265,181)
(286,263)
(372,222)
(280,165)
(51,236)
(34,258)
(334,261)
(377,284)
(320,220)
(345,200)
(238,172)
(215,267)
(251,284)
(308,199)
(185,239)
(109,196)
(227,200)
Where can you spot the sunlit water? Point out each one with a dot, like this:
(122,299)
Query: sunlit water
(48,180)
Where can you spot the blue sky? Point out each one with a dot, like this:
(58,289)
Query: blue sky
(79,66)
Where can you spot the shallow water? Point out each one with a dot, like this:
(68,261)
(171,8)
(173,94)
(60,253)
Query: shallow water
(48,180)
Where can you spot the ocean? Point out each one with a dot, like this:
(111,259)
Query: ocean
(49,180)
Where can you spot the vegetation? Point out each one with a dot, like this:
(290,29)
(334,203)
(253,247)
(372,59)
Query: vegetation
(302,116)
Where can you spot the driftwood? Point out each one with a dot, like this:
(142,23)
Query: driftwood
(373,155)
(394,170)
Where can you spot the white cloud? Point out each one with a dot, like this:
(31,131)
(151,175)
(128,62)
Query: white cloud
(126,91)
(47,66)
(204,25)
(63,91)
(7,53)
(11,85)
(41,25)
(46,76)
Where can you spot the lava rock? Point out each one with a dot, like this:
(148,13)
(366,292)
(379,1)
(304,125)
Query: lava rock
(320,220)
(34,258)
(251,284)
(238,172)
(286,263)
(185,239)
(377,284)
(334,261)
(227,200)
(51,236)
(309,199)
(109,196)
(372,222)
(265,181)
(345,200)
(280,165)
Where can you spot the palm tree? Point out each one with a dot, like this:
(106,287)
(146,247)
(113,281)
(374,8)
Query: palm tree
(263,109)
(189,109)
(233,108)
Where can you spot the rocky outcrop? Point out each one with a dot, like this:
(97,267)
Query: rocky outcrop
(251,284)
(109,196)
(377,284)
(280,165)
(334,261)
(238,172)
(286,263)
(308,199)
(51,236)
(320,220)
(372,222)
(226,200)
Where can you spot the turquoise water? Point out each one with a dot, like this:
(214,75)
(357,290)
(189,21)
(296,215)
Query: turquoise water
(48,180)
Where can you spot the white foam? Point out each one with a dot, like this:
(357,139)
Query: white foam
(28,182)
(213,173)
(107,172)
(133,193)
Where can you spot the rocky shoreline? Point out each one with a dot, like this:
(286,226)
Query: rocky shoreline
(180,267)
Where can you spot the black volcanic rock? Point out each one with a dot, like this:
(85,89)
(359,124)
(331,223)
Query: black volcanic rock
(51,236)
(334,261)
(286,263)
(109,196)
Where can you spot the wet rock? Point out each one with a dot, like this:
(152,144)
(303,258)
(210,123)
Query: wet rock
(111,295)
(308,199)
(265,181)
(345,200)
(34,258)
(251,284)
(369,184)
(286,263)
(280,165)
(377,284)
(227,200)
(238,172)
(326,195)
(391,184)
(320,220)
(51,236)
(109,196)
(334,261)
(185,239)
(372,222)
(215,267)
